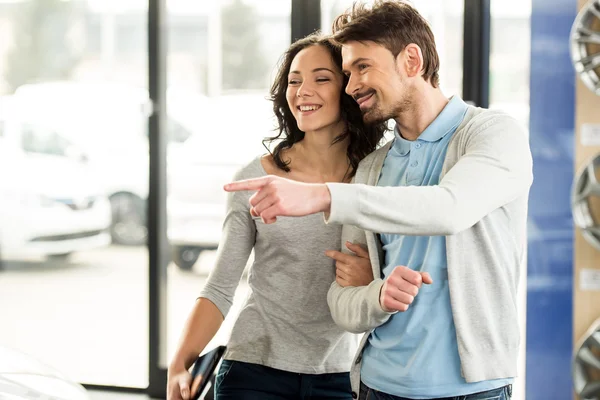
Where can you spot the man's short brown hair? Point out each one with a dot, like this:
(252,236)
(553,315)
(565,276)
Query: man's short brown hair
(392,24)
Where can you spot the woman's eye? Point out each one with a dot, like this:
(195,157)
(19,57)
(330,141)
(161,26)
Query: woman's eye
(293,82)
(322,79)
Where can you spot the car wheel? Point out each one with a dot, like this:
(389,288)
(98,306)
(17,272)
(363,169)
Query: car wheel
(128,220)
(186,256)
(56,258)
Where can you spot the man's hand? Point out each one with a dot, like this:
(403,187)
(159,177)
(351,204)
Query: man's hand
(278,196)
(352,270)
(401,287)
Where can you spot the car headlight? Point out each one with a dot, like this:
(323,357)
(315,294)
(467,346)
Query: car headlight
(16,199)
(36,200)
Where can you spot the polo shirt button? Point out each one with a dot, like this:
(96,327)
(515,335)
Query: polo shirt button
(418,145)
(414,164)
(354,395)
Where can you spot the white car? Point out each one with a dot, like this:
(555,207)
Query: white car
(50,203)
(109,122)
(196,203)
(23,377)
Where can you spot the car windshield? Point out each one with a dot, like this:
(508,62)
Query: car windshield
(238,123)
(41,140)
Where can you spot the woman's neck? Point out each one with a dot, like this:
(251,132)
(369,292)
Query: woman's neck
(316,154)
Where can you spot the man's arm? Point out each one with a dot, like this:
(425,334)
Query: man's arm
(495,170)
(357,309)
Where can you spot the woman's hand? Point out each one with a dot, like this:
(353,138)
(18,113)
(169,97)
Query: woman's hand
(178,385)
(352,269)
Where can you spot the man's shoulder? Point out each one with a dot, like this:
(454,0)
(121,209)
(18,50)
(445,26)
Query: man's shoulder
(478,119)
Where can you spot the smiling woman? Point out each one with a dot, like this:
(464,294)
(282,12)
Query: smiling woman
(284,341)
(313,89)
(306,98)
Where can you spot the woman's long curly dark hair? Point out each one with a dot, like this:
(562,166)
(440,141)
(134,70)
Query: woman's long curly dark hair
(363,138)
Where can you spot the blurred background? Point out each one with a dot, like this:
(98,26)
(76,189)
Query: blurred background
(80,85)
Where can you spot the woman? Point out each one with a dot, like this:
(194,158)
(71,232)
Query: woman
(284,344)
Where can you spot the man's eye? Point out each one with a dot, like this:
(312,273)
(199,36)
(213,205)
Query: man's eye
(362,66)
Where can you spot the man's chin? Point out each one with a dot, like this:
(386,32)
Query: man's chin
(372,116)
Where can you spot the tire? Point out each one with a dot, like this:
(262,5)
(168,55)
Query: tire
(128,227)
(185,257)
(56,258)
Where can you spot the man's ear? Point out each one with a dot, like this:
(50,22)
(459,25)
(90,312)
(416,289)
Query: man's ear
(412,60)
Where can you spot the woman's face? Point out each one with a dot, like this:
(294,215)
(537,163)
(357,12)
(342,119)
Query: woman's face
(314,89)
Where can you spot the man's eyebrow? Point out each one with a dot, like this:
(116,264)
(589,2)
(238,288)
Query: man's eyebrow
(358,60)
(314,70)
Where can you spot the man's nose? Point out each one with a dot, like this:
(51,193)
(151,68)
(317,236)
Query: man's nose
(352,86)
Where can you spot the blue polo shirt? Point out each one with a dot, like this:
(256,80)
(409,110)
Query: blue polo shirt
(415,353)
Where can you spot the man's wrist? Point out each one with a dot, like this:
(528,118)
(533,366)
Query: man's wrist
(379,297)
(324,198)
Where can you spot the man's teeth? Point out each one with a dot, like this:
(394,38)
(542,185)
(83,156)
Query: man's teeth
(309,108)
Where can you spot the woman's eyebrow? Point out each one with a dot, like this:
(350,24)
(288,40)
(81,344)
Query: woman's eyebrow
(314,70)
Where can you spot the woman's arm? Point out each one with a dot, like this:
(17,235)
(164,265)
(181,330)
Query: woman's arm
(353,267)
(216,298)
(201,326)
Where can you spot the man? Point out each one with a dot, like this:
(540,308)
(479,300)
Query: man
(448,197)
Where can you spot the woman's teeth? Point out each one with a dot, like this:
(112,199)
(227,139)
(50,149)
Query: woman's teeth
(309,108)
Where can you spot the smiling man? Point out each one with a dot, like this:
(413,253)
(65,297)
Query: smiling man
(442,209)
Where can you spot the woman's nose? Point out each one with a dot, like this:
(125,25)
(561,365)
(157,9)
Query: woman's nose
(304,90)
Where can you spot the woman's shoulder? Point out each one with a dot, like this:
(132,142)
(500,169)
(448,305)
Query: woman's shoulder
(251,169)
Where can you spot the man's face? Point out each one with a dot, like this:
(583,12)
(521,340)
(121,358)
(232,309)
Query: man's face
(376,80)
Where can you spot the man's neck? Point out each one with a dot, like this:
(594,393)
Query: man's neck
(426,106)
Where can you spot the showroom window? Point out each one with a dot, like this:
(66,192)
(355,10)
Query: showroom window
(102,292)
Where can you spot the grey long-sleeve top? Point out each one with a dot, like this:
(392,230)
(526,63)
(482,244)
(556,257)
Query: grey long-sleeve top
(285,322)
